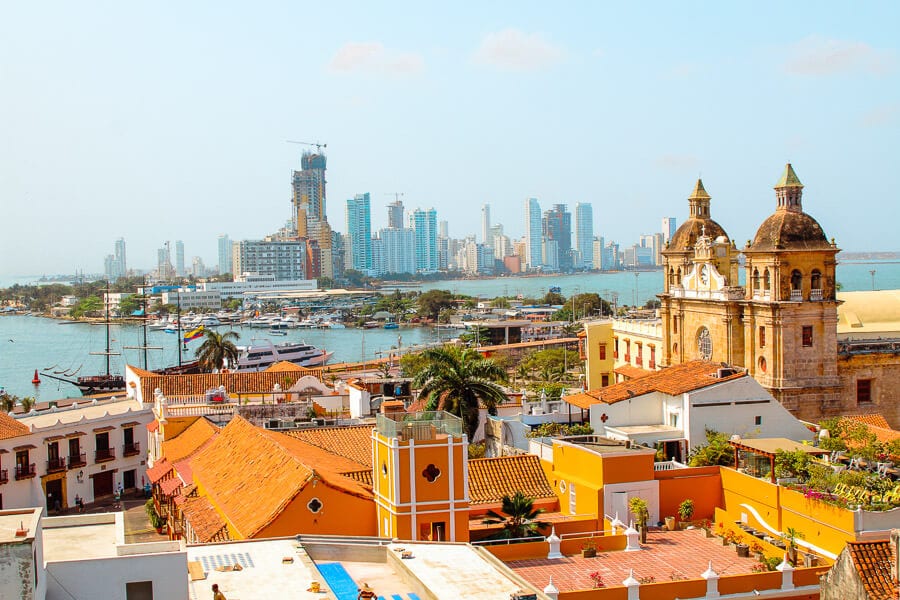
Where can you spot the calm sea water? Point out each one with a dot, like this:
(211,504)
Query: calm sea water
(29,343)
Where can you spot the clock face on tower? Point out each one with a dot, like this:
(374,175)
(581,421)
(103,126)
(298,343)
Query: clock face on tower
(704,274)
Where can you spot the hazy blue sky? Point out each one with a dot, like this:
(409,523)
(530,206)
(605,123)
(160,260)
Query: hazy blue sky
(168,120)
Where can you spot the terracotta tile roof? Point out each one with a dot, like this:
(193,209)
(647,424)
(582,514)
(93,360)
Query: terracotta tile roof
(673,381)
(353,442)
(10,428)
(872,561)
(160,469)
(205,521)
(875,419)
(189,441)
(184,470)
(251,474)
(492,478)
(170,485)
(364,477)
(235,383)
(632,372)
(283,366)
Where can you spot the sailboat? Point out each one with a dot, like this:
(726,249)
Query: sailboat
(103,383)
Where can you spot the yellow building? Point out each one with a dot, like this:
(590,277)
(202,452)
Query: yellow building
(420,478)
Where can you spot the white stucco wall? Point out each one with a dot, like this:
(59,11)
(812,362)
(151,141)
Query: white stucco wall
(106,578)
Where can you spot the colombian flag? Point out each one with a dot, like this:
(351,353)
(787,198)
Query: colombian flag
(193,334)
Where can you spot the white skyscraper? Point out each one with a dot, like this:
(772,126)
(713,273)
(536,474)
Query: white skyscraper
(179,258)
(668,228)
(533,234)
(486,224)
(584,234)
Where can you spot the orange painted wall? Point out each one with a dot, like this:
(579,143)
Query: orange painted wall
(341,514)
(763,496)
(175,425)
(636,466)
(703,485)
(733,584)
(611,593)
(822,525)
(666,590)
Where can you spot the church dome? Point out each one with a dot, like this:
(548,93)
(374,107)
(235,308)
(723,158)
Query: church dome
(699,223)
(687,233)
(789,228)
(786,230)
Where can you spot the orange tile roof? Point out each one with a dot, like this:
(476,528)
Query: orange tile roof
(10,428)
(169,486)
(283,366)
(875,419)
(235,383)
(251,474)
(354,442)
(873,561)
(492,478)
(632,372)
(673,381)
(160,469)
(189,441)
(206,523)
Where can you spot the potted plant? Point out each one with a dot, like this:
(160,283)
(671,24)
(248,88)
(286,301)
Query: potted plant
(791,536)
(640,510)
(589,548)
(741,547)
(670,523)
(686,512)
(757,550)
(156,521)
(597,580)
(706,526)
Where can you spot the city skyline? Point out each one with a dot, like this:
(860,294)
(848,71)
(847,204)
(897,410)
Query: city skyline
(572,108)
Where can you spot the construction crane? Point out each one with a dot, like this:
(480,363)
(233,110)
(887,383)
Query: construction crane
(396,195)
(316,144)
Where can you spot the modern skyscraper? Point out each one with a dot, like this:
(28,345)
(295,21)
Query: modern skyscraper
(310,219)
(584,234)
(668,228)
(179,258)
(443,229)
(424,222)
(399,250)
(486,237)
(533,234)
(114,266)
(395,214)
(359,232)
(557,226)
(164,269)
(224,246)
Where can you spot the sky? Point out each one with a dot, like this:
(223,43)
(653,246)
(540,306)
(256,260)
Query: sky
(168,120)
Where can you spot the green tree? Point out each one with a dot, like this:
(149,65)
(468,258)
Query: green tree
(456,380)
(432,302)
(716,451)
(129,304)
(216,349)
(86,306)
(518,517)
(8,402)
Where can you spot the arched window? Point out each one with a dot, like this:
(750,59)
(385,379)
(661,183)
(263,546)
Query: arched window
(766,280)
(675,324)
(796,280)
(754,281)
(815,280)
(672,277)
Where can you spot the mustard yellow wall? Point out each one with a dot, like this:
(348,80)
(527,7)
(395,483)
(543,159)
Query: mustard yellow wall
(595,368)
(341,514)
(175,425)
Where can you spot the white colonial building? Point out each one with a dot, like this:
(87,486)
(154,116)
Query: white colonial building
(89,448)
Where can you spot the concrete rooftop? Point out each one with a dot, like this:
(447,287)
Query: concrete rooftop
(81,537)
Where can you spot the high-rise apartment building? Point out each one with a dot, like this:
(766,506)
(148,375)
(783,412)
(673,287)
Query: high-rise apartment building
(164,269)
(179,258)
(114,266)
(399,250)
(395,214)
(283,260)
(359,232)
(533,234)
(584,235)
(224,247)
(597,248)
(424,222)
(668,228)
(310,219)
(443,229)
(486,237)
(557,226)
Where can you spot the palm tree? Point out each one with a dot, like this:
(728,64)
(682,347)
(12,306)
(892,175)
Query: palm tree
(519,518)
(8,402)
(456,380)
(216,349)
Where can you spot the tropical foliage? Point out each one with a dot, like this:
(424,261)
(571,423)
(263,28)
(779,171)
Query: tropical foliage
(560,430)
(716,451)
(457,380)
(518,517)
(217,349)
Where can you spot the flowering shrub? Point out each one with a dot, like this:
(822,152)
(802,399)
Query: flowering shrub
(676,576)
(759,567)
(597,579)
(647,579)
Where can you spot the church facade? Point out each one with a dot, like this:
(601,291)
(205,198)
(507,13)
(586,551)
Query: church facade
(780,324)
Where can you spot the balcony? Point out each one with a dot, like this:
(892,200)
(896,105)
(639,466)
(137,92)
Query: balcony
(77,460)
(816,295)
(54,465)
(25,471)
(796,295)
(4,476)
(131,449)
(104,454)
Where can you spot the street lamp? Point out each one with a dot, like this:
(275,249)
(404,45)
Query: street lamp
(872,273)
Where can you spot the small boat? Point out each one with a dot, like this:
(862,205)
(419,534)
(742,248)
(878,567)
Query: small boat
(370,324)
(391,326)
(277,332)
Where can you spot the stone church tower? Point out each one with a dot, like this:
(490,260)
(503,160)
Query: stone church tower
(790,317)
(781,325)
